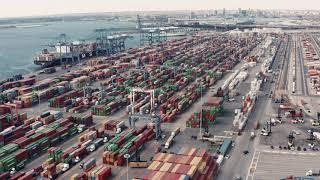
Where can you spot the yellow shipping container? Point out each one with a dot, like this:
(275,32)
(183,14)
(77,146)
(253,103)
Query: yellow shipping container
(82,138)
(176,167)
(167,157)
(185,159)
(202,166)
(159,157)
(152,165)
(192,171)
(192,151)
(196,161)
(92,173)
(157,163)
(47,162)
(74,177)
(158,175)
(165,167)
(98,172)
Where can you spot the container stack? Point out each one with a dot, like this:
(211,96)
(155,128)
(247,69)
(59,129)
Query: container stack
(113,125)
(9,116)
(18,83)
(49,169)
(79,176)
(29,143)
(59,101)
(109,108)
(210,111)
(79,82)
(188,163)
(83,118)
(130,142)
(99,173)
(55,154)
(88,136)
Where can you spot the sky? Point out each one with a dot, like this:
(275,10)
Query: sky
(17,8)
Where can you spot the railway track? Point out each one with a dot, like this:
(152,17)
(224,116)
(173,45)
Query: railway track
(301,65)
(283,57)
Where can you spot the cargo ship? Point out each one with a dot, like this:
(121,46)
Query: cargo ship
(66,54)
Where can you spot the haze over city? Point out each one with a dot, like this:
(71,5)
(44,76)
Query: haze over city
(16,8)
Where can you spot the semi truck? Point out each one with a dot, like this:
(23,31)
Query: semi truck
(171,138)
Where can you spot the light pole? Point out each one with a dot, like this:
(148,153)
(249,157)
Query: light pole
(201,115)
(127,156)
(39,102)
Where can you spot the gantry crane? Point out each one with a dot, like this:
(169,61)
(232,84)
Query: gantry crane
(152,116)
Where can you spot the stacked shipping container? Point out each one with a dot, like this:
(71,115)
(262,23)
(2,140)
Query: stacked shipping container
(210,111)
(126,143)
(188,163)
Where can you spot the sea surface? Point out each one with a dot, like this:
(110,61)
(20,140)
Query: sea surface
(20,43)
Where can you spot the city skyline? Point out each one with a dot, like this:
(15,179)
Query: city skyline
(16,8)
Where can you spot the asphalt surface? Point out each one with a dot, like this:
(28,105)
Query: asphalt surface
(276,163)
(238,163)
(272,165)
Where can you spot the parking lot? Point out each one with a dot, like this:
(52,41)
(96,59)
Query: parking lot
(272,165)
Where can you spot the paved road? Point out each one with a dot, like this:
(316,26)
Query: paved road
(279,165)
(300,68)
(238,163)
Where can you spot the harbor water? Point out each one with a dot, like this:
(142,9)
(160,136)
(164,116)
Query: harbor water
(19,45)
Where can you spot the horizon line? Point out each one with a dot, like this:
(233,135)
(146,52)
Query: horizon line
(155,10)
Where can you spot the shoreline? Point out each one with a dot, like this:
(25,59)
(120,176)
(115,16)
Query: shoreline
(13,26)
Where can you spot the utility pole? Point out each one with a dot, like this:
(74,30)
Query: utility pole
(127,156)
(201,114)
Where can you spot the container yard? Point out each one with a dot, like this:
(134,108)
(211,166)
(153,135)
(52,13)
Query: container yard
(89,108)
(195,107)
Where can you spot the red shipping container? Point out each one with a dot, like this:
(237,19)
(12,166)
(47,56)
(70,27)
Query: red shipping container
(27,128)
(27,176)
(140,130)
(105,173)
(54,135)
(121,141)
(69,125)
(1,138)
(120,159)
(17,175)
(5,175)
(149,175)
(38,136)
(80,152)
(51,168)
(132,149)
(30,133)
(170,176)
(64,122)
(21,154)
(22,142)
(62,130)
(50,132)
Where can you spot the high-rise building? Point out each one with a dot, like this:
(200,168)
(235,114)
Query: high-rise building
(193,15)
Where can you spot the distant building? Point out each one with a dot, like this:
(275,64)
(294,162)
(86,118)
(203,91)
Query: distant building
(193,15)
(244,13)
(172,20)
